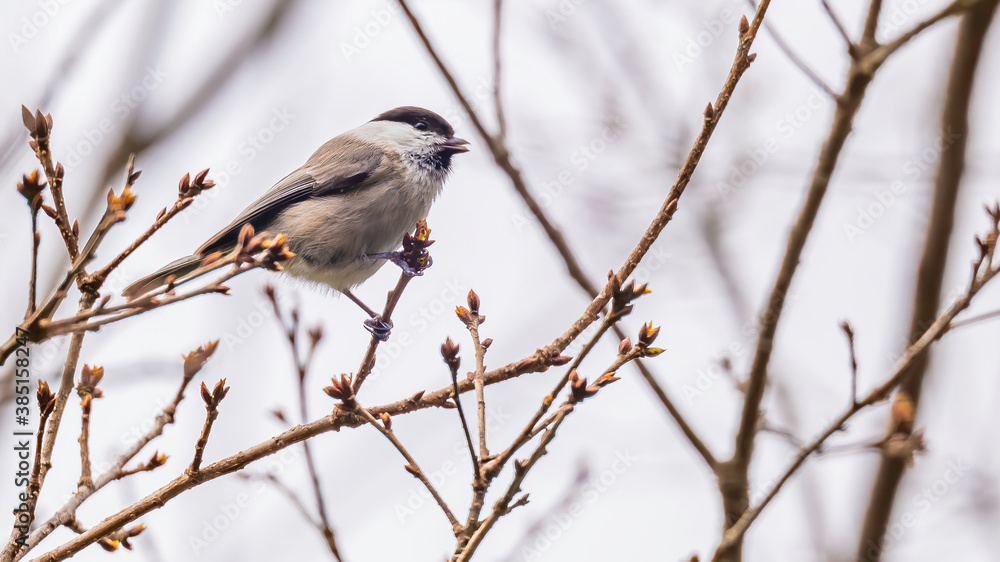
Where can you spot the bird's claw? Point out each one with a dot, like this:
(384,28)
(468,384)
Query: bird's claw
(397,258)
(379,328)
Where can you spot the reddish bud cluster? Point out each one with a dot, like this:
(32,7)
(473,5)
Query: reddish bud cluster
(340,388)
(414,252)
(218,393)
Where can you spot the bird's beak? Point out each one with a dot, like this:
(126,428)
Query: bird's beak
(455,144)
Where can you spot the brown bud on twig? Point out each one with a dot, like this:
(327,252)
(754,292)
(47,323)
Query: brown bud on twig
(560,360)
(412,470)
(386,420)
(744,25)
(192,188)
(647,334)
(473,301)
(709,111)
(487,343)
(31,188)
(46,399)
(463,314)
(414,252)
(194,361)
(625,346)
(90,377)
(340,388)
(449,351)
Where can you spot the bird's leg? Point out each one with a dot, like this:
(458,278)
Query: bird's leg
(398,259)
(375,324)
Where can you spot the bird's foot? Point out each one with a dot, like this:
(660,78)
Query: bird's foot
(398,259)
(379,328)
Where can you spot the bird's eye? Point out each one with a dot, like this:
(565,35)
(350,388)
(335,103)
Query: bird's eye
(420,126)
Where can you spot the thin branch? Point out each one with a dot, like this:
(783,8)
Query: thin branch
(579,392)
(501,155)
(849,334)
(412,467)
(302,368)
(449,350)
(193,363)
(852,49)
(794,58)
(212,400)
(497,97)
(734,534)
(955,120)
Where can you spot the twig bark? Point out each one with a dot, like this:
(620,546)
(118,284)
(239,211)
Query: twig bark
(734,480)
(930,275)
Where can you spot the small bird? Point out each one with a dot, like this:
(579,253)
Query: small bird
(345,211)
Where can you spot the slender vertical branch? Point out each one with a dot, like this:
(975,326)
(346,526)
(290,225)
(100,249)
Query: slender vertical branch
(930,275)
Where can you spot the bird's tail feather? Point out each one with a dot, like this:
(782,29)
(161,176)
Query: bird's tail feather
(177,268)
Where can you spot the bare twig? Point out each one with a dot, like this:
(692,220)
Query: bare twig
(302,368)
(579,391)
(735,481)
(212,400)
(955,120)
(193,363)
(795,58)
(734,534)
(852,49)
(449,351)
(849,334)
(412,467)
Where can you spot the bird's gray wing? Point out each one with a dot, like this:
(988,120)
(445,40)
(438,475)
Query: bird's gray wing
(333,169)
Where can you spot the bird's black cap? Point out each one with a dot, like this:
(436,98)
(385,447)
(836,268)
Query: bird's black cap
(414,115)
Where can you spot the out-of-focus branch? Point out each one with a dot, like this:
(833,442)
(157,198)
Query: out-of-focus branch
(735,478)
(985,270)
(930,275)
(795,59)
(302,369)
